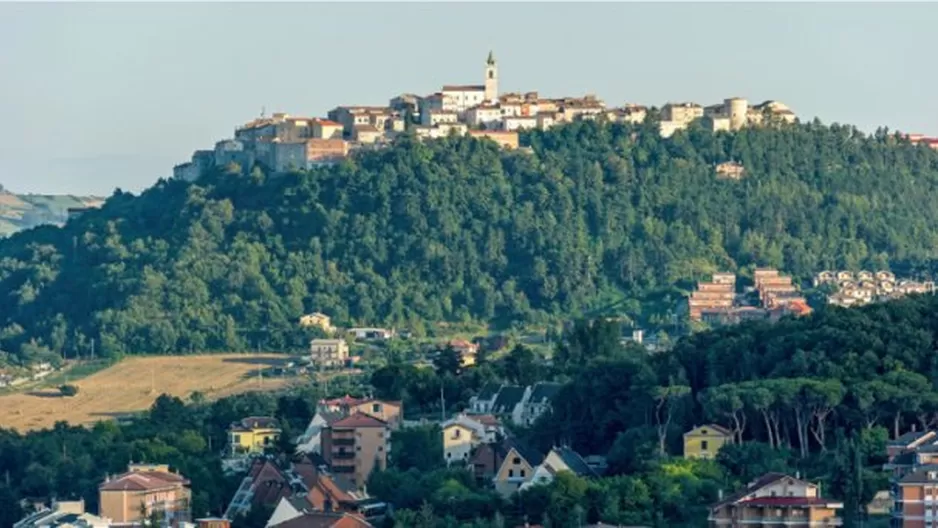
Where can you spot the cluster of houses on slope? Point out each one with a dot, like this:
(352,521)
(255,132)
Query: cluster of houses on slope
(283,142)
(36,372)
(717,301)
(864,287)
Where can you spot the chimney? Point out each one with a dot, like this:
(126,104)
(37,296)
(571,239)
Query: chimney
(720,494)
(913,427)
(798,475)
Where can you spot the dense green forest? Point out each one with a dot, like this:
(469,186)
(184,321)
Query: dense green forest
(819,395)
(457,229)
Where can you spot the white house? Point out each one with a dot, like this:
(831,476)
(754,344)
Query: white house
(464,432)
(311,439)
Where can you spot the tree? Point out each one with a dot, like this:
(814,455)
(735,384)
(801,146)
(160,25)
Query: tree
(68,390)
(448,362)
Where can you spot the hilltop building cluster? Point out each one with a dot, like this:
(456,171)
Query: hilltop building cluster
(717,302)
(864,287)
(282,142)
(733,114)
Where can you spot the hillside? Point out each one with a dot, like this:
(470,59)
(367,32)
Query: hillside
(22,211)
(457,229)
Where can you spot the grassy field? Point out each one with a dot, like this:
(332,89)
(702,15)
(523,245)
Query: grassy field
(133,384)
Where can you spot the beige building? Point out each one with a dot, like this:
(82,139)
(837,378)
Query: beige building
(511,123)
(318,320)
(325,129)
(354,446)
(328,353)
(151,487)
(503,138)
(774,500)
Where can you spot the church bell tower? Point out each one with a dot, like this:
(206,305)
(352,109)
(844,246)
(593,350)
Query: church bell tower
(491,79)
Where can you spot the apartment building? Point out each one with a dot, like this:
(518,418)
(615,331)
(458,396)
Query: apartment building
(145,488)
(776,499)
(916,499)
(354,446)
(328,353)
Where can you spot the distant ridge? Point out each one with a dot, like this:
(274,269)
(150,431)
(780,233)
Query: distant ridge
(23,211)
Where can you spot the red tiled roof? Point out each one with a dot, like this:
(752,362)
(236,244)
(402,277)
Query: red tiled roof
(325,520)
(486,419)
(359,420)
(326,122)
(142,480)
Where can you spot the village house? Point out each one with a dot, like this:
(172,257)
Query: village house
(559,459)
(328,353)
(371,333)
(315,519)
(264,485)
(317,320)
(516,468)
(311,439)
(504,139)
(144,488)
(253,435)
(354,446)
(706,440)
(535,402)
(463,433)
(914,503)
(776,499)
(467,351)
(730,170)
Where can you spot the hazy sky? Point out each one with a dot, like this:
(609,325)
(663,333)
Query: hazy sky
(98,96)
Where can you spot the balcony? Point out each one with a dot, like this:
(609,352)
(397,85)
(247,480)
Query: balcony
(343,441)
(343,456)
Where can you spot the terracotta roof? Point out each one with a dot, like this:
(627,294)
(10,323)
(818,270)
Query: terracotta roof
(142,480)
(486,419)
(344,400)
(326,122)
(359,420)
(325,520)
(756,485)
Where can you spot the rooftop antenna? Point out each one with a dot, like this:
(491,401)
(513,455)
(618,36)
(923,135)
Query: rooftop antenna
(263,111)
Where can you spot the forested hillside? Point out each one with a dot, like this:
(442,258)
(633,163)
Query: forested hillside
(457,229)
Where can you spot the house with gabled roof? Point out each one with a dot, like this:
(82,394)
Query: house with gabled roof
(776,499)
(152,486)
(324,520)
(535,402)
(705,441)
(559,459)
(909,441)
(464,432)
(507,399)
(482,402)
(311,439)
(516,468)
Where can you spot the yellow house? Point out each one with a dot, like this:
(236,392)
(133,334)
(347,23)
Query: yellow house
(317,319)
(517,468)
(706,440)
(253,434)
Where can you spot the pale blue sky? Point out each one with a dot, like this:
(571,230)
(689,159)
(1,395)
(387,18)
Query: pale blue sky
(97,96)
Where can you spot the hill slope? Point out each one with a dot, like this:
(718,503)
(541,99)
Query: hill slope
(458,229)
(22,211)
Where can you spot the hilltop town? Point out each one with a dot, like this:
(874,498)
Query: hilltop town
(282,141)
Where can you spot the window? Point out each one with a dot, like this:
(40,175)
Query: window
(703,431)
(703,445)
(516,461)
(457,433)
(236,439)
(522,473)
(449,455)
(380,448)
(774,493)
(376,407)
(511,473)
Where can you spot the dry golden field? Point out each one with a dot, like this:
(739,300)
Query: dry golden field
(134,383)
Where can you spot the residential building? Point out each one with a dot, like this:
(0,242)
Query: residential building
(433,118)
(328,353)
(462,433)
(355,446)
(145,488)
(325,129)
(390,412)
(485,115)
(776,499)
(405,104)
(63,514)
(507,399)
(371,333)
(233,151)
(367,134)
(706,440)
(311,439)
(467,351)
(487,458)
(482,402)
(349,116)
(516,468)
(512,123)
(559,459)
(253,435)
(730,170)
(916,498)
(535,402)
(324,520)
(318,320)
(212,522)
(504,139)
(264,485)
(320,152)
